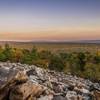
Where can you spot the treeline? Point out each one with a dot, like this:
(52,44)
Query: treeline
(84,64)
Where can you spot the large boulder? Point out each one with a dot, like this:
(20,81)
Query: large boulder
(96,95)
(25,91)
(8,78)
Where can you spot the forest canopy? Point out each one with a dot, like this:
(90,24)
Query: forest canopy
(84,64)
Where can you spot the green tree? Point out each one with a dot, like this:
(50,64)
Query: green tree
(45,54)
(26,58)
(81,62)
(34,54)
(92,71)
(2,57)
(64,56)
(96,59)
(56,63)
(7,52)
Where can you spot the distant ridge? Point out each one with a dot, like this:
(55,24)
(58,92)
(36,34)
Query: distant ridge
(54,41)
(89,41)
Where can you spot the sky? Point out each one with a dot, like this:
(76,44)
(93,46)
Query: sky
(49,20)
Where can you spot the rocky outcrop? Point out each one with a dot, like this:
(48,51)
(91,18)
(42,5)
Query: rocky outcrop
(24,82)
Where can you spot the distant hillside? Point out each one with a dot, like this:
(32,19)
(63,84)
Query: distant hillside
(90,41)
(50,42)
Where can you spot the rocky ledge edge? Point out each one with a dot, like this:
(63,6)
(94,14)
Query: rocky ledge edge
(29,82)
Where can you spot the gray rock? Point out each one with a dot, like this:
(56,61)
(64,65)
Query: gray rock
(71,95)
(58,97)
(47,97)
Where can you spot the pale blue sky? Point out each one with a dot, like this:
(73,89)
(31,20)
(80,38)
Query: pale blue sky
(49,19)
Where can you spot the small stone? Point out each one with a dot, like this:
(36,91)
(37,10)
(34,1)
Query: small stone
(58,97)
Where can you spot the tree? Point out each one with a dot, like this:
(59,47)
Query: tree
(96,59)
(92,71)
(45,54)
(34,53)
(7,52)
(77,62)
(64,56)
(26,58)
(16,55)
(56,63)
(2,57)
(81,62)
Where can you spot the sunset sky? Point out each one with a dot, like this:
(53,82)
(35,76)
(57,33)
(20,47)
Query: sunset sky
(53,20)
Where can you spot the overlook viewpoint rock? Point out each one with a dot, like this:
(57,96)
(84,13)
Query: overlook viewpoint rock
(29,82)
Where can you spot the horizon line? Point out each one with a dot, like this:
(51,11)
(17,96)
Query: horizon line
(81,40)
